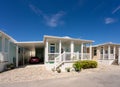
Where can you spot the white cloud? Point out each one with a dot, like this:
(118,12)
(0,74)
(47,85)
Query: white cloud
(55,19)
(115,10)
(35,9)
(50,20)
(109,20)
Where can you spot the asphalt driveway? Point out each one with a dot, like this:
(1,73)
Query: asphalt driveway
(108,78)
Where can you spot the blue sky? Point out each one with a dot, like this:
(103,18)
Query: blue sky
(29,20)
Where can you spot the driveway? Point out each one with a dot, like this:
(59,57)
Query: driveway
(106,77)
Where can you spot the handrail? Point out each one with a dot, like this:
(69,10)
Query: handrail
(57,59)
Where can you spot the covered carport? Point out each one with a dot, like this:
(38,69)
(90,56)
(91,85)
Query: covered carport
(26,50)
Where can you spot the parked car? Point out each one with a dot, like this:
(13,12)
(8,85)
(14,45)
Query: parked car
(34,60)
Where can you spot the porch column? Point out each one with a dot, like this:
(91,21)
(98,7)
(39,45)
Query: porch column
(119,55)
(46,51)
(90,51)
(82,51)
(16,56)
(72,48)
(103,56)
(23,56)
(60,45)
(99,52)
(114,52)
(109,49)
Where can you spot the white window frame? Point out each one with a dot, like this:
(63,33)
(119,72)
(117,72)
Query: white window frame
(50,47)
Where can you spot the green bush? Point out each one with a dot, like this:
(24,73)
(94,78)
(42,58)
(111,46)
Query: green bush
(85,64)
(77,66)
(10,66)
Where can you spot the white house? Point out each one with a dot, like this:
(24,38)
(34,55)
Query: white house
(56,51)
(53,50)
(7,50)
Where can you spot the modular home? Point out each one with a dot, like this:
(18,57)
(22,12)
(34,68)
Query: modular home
(56,51)
(107,53)
(53,50)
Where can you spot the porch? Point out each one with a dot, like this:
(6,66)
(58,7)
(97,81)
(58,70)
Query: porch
(61,49)
(108,53)
(67,56)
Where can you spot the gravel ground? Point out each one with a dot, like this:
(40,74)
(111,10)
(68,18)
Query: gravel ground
(38,72)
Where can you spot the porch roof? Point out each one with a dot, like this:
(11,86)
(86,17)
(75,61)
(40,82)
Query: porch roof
(105,44)
(66,38)
(31,44)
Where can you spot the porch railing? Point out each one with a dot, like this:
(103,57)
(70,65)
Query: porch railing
(52,56)
(67,56)
(106,57)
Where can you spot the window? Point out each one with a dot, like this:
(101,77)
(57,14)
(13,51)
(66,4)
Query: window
(111,51)
(52,48)
(106,51)
(95,51)
(19,50)
(101,50)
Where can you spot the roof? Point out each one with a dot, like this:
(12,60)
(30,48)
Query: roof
(9,37)
(108,43)
(31,44)
(65,38)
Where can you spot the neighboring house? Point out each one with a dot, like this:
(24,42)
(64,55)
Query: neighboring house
(7,50)
(107,53)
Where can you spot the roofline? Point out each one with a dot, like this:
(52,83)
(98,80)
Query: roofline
(30,42)
(8,36)
(108,43)
(45,36)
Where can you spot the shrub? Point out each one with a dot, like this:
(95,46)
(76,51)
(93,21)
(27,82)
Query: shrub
(58,70)
(67,69)
(85,64)
(77,66)
(10,66)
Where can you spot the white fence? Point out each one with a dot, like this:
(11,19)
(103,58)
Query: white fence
(106,57)
(67,56)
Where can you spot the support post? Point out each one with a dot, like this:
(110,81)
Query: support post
(23,56)
(82,51)
(72,49)
(114,51)
(99,52)
(109,49)
(16,56)
(46,51)
(60,46)
(103,57)
(119,55)
(90,51)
